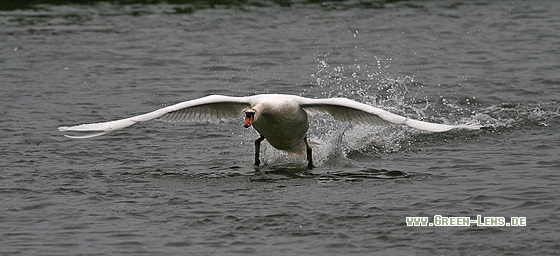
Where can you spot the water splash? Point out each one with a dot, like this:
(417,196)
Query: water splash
(374,85)
(363,82)
(366,83)
(526,115)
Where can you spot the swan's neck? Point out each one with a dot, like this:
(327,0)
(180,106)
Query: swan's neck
(259,109)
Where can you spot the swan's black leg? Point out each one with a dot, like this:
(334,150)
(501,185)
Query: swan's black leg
(258,149)
(309,154)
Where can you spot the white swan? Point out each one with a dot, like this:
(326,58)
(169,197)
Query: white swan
(280,119)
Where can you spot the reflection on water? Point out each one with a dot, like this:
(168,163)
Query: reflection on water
(273,174)
(365,174)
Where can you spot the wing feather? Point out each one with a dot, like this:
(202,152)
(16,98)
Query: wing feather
(346,110)
(203,109)
(206,113)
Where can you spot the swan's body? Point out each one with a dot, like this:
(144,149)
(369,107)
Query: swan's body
(280,119)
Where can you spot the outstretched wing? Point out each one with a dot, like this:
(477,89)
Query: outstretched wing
(211,108)
(346,110)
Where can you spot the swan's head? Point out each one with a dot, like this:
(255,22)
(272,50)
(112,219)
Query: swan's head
(249,117)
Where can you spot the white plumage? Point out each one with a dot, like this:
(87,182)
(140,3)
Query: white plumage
(280,119)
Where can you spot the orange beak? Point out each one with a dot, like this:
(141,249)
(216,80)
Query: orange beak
(248,120)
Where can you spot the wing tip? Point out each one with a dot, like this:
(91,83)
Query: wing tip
(91,135)
(433,127)
(94,132)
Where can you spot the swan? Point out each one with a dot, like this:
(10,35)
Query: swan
(278,118)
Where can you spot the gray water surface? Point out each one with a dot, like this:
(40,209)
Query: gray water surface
(159,188)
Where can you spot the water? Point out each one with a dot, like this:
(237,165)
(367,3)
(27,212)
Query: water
(159,188)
